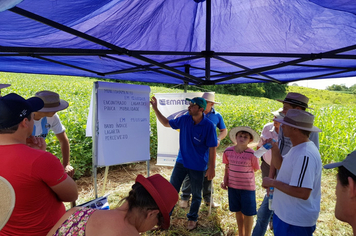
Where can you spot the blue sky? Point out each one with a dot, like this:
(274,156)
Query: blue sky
(323,83)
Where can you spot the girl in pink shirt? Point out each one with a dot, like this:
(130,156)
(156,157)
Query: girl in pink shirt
(239,179)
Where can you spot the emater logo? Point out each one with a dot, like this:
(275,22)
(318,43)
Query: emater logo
(170,102)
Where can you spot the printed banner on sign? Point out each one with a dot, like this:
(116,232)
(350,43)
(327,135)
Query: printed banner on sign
(171,105)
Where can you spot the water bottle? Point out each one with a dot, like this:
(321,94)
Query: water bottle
(270,198)
(262,150)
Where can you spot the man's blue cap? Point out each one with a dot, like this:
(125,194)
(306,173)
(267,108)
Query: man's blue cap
(14,108)
(201,102)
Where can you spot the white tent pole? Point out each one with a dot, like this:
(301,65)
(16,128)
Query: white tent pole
(95,139)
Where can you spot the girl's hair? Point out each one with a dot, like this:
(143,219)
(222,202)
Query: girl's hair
(343,174)
(140,198)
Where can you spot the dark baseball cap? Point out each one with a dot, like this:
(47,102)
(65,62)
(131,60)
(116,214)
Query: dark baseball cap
(349,163)
(14,108)
(201,102)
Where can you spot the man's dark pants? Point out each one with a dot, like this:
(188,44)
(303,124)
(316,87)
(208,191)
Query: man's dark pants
(186,190)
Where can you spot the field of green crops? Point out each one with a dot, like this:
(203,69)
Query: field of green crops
(334,113)
(336,121)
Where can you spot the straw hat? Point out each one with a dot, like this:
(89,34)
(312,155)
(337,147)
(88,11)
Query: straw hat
(7,203)
(52,102)
(234,131)
(299,119)
(163,192)
(296,99)
(210,97)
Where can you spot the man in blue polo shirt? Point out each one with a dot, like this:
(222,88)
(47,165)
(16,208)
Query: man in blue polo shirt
(198,141)
(218,122)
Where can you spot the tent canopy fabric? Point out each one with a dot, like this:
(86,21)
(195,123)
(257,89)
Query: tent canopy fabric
(185,41)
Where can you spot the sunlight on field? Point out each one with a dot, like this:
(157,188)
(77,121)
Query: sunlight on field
(334,115)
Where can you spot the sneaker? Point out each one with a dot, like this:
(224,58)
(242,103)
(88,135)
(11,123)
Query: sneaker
(183,203)
(214,205)
(192,225)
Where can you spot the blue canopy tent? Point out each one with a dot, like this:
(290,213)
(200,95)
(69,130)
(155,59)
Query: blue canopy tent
(185,41)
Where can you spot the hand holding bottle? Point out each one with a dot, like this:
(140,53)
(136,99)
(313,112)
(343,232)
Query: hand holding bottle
(262,150)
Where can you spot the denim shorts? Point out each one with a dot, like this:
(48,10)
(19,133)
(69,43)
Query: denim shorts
(242,200)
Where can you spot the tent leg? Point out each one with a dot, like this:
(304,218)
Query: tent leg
(105,179)
(148,168)
(95,181)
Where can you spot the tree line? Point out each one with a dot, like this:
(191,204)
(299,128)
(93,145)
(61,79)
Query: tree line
(267,90)
(342,88)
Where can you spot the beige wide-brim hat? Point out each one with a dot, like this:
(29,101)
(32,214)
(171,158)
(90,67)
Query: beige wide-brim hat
(299,119)
(7,203)
(255,135)
(4,86)
(278,114)
(210,97)
(52,102)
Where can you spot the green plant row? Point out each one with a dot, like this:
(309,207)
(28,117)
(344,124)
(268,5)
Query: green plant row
(335,119)
(325,97)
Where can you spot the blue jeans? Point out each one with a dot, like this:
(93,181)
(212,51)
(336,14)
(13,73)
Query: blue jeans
(263,217)
(177,177)
(186,189)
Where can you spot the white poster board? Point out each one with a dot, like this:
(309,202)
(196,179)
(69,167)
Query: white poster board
(171,105)
(119,117)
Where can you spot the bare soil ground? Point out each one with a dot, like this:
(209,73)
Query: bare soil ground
(119,180)
(221,221)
